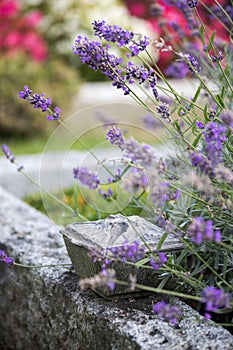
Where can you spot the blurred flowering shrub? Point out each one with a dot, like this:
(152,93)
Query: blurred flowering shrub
(64,18)
(61,19)
(19,32)
(26,57)
(173,21)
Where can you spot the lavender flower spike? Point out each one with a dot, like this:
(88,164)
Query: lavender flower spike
(5,258)
(112,33)
(39,101)
(127,252)
(142,154)
(86,177)
(116,138)
(193,64)
(26,93)
(214,299)
(116,34)
(200,230)
(167,312)
(160,260)
(9,155)
(164,111)
(55,115)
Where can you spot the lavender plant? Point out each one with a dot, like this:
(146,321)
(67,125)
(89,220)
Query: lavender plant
(190,196)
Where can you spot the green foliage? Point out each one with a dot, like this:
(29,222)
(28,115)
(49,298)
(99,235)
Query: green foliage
(80,200)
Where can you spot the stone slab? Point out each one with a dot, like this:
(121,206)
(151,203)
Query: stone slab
(43,308)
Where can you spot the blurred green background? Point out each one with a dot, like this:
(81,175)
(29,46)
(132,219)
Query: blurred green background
(35,42)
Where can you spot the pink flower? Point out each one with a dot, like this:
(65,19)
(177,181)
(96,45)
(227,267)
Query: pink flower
(35,45)
(13,39)
(9,8)
(33,19)
(137,9)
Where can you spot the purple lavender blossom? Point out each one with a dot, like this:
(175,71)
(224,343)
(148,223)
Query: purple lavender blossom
(116,138)
(116,178)
(139,45)
(159,261)
(98,57)
(151,122)
(152,83)
(177,70)
(168,312)
(227,118)
(193,64)
(86,177)
(95,55)
(127,251)
(192,3)
(212,112)
(55,115)
(185,9)
(164,111)
(139,153)
(140,73)
(220,14)
(26,93)
(5,258)
(9,155)
(136,180)
(162,222)
(217,57)
(114,34)
(200,125)
(214,300)
(39,101)
(159,193)
(97,254)
(107,194)
(215,135)
(205,166)
(200,230)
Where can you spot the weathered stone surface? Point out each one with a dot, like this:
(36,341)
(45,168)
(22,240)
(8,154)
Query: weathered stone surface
(117,229)
(44,308)
(112,232)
